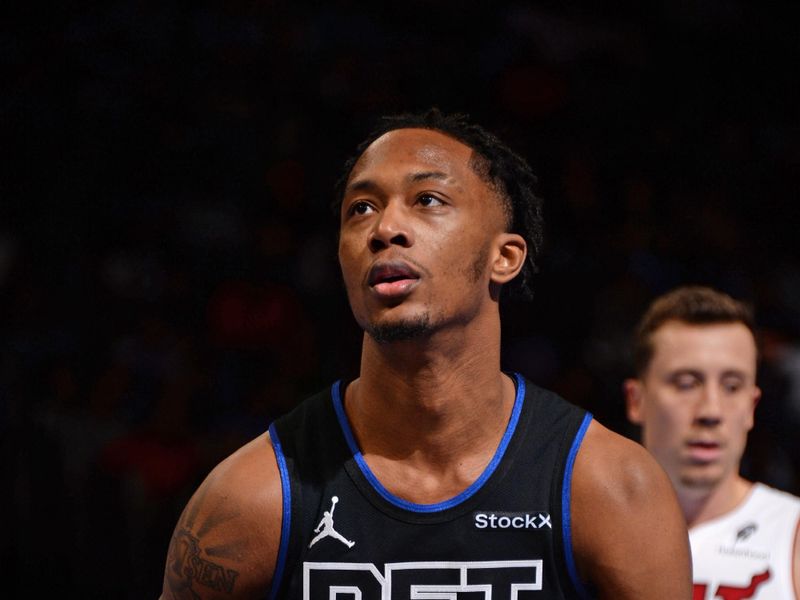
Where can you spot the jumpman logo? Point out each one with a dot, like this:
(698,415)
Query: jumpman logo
(325,527)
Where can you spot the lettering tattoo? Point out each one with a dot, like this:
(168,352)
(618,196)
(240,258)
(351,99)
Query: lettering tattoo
(190,563)
(188,566)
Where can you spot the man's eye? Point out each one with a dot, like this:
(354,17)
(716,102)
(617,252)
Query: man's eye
(429,200)
(732,386)
(360,208)
(685,382)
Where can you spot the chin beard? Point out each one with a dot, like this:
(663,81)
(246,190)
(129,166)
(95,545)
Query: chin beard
(400,332)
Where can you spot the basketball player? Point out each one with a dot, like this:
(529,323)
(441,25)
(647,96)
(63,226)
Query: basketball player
(694,397)
(433,474)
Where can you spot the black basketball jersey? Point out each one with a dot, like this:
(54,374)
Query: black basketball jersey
(507,536)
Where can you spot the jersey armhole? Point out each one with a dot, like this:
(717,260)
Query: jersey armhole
(286,519)
(566,495)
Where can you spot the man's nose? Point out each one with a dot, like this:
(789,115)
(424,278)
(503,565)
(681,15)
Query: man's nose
(391,228)
(709,409)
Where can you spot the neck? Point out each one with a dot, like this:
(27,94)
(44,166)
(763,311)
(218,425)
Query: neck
(440,395)
(704,504)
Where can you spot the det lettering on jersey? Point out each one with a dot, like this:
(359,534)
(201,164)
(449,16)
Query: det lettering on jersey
(511,520)
(436,580)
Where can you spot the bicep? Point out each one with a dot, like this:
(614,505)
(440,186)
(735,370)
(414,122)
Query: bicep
(630,538)
(226,540)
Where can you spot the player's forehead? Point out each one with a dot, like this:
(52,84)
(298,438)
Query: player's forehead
(415,149)
(704,346)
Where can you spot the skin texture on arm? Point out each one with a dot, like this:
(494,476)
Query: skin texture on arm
(796,562)
(629,536)
(225,544)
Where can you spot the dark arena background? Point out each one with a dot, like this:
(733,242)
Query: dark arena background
(168,276)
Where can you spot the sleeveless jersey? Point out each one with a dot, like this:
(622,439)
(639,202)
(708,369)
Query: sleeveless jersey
(747,553)
(507,536)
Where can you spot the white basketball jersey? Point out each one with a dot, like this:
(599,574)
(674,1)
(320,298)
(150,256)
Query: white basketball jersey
(747,553)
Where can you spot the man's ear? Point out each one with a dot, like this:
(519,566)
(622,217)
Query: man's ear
(634,405)
(510,252)
(752,415)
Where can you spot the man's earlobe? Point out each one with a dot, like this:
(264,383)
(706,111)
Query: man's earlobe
(510,257)
(632,388)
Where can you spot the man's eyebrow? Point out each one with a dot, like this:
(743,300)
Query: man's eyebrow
(734,373)
(361,185)
(681,371)
(423,175)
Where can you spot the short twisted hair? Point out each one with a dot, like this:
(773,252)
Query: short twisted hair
(494,162)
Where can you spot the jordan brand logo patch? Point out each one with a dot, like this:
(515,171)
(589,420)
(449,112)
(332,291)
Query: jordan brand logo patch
(325,527)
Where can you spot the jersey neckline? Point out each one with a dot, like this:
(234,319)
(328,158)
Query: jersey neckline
(751,498)
(336,393)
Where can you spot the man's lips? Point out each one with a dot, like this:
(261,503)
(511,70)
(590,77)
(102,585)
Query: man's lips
(393,278)
(387,272)
(704,451)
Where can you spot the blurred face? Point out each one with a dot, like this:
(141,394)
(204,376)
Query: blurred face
(422,236)
(696,400)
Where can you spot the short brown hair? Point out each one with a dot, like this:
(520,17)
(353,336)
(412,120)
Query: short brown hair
(695,305)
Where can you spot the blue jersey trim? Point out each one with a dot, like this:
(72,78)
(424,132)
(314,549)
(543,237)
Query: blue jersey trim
(456,500)
(565,512)
(283,549)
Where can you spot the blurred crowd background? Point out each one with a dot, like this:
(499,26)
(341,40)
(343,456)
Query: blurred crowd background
(168,276)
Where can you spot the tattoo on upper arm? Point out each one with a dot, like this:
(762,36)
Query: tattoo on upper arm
(189,561)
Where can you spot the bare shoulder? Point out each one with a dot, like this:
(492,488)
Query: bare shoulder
(629,536)
(226,541)
(617,469)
